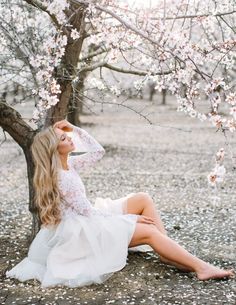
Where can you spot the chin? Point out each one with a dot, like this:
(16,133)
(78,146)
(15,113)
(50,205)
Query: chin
(71,147)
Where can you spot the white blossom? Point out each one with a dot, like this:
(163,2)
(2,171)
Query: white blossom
(75,34)
(217,120)
(217,175)
(55,87)
(220,156)
(96,83)
(115,90)
(233,112)
(231,98)
(57,7)
(231,125)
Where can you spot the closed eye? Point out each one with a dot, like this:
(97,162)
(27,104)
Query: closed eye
(63,137)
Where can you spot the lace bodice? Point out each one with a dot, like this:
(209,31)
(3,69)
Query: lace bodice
(70,184)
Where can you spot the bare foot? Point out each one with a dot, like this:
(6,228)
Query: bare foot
(211,272)
(179,266)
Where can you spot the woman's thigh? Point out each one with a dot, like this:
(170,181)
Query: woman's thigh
(142,234)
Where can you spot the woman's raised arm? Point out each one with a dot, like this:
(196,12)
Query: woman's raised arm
(94,150)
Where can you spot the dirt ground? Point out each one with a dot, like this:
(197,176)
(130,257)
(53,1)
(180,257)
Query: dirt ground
(170,160)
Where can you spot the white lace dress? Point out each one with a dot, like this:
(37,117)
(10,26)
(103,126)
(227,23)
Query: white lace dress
(91,241)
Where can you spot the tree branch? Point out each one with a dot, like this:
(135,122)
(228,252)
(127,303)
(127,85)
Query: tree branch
(122,21)
(12,122)
(121,70)
(93,54)
(134,72)
(38,4)
(193,16)
(231,27)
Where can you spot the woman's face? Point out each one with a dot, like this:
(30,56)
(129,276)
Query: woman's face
(65,145)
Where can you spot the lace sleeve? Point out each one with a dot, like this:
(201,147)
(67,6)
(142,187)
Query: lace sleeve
(94,150)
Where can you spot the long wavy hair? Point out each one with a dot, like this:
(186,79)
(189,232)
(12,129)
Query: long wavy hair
(47,162)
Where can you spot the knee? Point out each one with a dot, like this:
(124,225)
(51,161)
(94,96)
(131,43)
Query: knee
(143,196)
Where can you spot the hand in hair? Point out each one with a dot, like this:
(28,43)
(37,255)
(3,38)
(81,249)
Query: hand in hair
(64,125)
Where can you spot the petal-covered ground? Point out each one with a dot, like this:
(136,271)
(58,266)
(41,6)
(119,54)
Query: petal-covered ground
(170,160)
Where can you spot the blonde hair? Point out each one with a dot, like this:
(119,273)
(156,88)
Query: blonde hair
(47,161)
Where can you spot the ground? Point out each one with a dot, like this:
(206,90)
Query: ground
(170,160)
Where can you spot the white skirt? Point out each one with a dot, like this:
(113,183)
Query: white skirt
(81,250)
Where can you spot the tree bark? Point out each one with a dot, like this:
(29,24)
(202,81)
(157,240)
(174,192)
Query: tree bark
(68,66)
(76,100)
(12,122)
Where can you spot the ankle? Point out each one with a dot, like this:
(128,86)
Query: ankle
(201,266)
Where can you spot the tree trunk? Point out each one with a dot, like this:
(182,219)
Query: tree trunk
(152,91)
(68,68)
(36,222)
(74,112)
(163,96)
(12,122)
(76,100)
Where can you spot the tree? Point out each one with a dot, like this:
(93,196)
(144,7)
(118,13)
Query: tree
(175,44)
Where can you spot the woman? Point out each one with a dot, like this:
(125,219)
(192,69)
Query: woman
(80,243)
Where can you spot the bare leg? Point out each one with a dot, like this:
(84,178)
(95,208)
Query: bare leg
(168,248)
(142,204)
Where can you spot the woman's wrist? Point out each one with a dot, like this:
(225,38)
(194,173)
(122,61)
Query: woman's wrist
(64,125)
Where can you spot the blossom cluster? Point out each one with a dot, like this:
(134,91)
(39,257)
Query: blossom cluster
(49,90)
(218,173)
(182,46)
(172,49)
(57,8)
(32,48)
